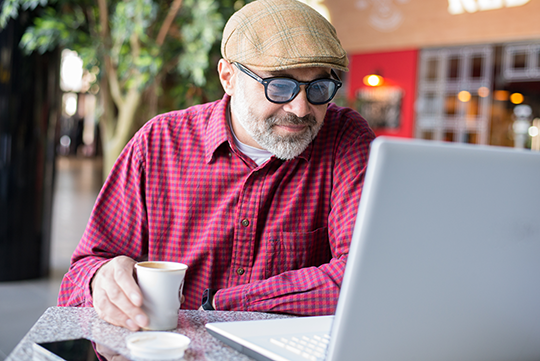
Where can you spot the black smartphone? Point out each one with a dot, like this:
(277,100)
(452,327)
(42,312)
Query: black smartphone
(79,349)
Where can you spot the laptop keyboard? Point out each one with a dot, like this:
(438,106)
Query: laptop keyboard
(311,348)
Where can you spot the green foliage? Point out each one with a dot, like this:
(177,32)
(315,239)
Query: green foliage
(122,47)
(200,30)
(190,49)
(135,19)
(53,29)
(11,8)
(185,92)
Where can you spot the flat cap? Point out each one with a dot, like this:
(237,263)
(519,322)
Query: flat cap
(282,34)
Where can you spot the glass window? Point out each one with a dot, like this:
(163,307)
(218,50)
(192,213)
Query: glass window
(430,104)
(427,134)
(474,106)
(477,64)
(450,104)
(432,69)
(519,61)
(453,68)
(467,71)
(471,138)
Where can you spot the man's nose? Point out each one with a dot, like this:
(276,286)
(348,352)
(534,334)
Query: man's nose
(299,106)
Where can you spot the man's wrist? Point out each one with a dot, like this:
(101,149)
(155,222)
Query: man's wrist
(207,302)
(92,283)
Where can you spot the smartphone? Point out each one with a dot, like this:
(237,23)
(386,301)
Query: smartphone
(80,349)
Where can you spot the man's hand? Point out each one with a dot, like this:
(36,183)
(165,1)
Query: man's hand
(117,297)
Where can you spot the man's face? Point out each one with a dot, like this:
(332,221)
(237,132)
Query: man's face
(283,129)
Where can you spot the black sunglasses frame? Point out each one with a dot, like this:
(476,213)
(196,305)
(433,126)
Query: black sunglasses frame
(266,81)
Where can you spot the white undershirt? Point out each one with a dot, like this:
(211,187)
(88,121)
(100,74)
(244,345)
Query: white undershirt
(259,156)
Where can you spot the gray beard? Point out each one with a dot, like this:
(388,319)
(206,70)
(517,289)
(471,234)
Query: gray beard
(284,147)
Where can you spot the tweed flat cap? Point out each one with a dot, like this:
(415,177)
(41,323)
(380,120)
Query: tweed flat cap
(281,34)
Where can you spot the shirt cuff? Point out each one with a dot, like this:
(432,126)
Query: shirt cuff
(88,299)
(232,299)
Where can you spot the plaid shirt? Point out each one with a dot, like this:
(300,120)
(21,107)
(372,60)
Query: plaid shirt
(273,238)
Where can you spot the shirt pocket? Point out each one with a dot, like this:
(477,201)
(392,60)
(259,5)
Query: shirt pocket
(288,251)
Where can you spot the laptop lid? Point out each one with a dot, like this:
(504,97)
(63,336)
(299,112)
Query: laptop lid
(445,258)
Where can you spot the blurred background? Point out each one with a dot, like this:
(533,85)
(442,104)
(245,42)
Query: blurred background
(78,78)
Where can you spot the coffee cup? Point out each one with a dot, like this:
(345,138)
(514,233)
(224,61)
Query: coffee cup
(161,284)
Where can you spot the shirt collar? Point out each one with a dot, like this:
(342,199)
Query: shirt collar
(218,131)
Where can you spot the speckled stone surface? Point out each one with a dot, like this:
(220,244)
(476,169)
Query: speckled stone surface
(63,323)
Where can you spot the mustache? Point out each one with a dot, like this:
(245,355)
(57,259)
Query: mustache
(290,118)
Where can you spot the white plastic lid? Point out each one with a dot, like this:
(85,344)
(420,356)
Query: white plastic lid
(157,345)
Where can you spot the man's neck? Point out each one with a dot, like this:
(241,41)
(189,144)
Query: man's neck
(257,154)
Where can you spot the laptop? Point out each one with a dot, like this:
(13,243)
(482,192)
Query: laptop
(444,264)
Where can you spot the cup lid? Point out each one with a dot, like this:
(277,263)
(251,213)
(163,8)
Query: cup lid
(157,345)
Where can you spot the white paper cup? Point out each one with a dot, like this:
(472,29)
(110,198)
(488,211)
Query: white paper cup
(161,285)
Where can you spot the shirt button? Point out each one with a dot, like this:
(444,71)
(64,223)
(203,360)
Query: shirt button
(240,271)
(245,222)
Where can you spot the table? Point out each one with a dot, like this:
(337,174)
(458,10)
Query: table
(61,323)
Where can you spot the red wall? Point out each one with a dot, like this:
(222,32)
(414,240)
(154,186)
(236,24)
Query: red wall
(398,68)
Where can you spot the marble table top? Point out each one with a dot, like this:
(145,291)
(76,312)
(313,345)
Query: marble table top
(63,323)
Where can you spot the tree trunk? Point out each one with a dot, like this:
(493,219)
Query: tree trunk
(111,151)
(115,142)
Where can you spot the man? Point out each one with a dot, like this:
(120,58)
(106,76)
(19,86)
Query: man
(257,193)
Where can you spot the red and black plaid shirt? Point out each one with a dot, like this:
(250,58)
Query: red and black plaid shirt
(273,238)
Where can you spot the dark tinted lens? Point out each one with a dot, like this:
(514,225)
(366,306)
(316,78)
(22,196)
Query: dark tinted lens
(321,91)
(281,90)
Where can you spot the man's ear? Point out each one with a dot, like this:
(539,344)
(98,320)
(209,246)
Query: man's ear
(226,76)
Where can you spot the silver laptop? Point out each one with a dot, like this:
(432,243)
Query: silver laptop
(444,264)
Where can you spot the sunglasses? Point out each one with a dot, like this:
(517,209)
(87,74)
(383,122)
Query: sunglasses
(283,90)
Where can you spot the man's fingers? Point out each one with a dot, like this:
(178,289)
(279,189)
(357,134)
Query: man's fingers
(123,274)
(107,311)
(124,292)
(117,297)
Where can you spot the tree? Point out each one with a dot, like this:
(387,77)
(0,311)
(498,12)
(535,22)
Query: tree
(147,56)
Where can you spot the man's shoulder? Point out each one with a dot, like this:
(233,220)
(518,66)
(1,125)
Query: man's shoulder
(199,112)
(190,126)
